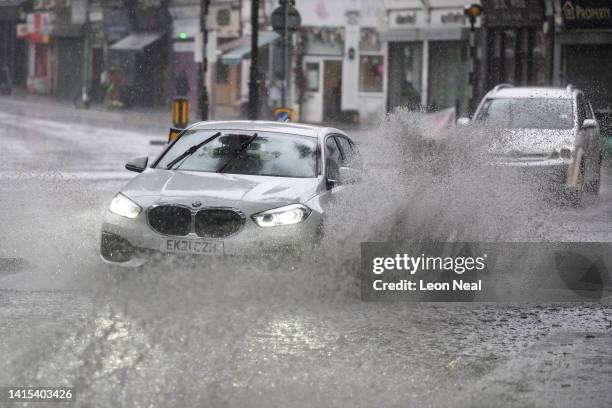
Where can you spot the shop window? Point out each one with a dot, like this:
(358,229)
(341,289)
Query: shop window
(448,76)
(324,40)
(405,63)
(223,17)
(371,70)
(312,77)
(369,40)
(222,73)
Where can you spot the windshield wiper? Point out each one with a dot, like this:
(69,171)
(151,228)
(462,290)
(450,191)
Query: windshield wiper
(243,147)
(191,150)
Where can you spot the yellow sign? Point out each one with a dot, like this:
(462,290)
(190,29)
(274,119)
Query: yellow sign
(180,112)
(283,115)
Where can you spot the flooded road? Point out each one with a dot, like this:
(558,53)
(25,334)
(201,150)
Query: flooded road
(270,332)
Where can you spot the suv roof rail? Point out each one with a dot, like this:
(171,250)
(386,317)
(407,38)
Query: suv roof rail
(501,86)
(570,88)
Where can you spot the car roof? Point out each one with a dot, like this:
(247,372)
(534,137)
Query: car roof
(532,92)
(267,126)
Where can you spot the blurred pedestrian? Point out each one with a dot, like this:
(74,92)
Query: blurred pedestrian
(114,82)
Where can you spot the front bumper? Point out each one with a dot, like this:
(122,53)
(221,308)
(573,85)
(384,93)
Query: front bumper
(132,242)
(553,173)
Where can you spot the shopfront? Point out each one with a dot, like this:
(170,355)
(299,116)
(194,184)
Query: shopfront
(428,57)
(518,43)
(141,57)
(583,48)
(42,67)
(13,48)
(342,61)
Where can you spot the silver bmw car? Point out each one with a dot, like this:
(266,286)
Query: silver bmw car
(229,188)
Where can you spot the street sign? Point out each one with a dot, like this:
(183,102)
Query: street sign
(284,115)
(294,20)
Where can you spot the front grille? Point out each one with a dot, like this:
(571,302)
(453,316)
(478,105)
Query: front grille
(170,220)
(209,222)
(217,223)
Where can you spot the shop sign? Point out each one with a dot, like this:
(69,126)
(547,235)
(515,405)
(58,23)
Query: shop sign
(399,19)
(40,23)
(22,30)
(449,18)
(513,13)
(183,46)
(116,24)
(38,26)
(587,14)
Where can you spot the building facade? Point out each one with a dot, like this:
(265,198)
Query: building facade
(341,59)
(428,55)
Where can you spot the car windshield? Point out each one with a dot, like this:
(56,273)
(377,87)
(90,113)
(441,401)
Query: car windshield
(532,113)
(267,154)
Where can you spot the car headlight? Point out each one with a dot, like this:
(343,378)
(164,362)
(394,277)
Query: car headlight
(288,215)
(123,206)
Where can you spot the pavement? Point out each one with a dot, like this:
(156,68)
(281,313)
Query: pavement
(272,333)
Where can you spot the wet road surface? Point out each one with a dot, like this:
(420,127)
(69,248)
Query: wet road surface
(265,334)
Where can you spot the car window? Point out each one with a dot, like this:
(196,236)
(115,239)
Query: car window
(350,153)
(590,111)
(269,154)
(347,150)
(333,158)
(523,113)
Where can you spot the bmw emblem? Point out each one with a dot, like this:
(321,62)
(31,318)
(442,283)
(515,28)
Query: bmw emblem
(196,204)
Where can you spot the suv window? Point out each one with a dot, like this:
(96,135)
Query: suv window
(584,110)
(527,113)
(333,158)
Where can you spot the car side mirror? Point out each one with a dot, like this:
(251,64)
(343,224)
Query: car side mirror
(348,175)
(463,121)
(589,124)
(138,164)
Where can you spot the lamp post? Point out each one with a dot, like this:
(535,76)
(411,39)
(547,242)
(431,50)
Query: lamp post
(203,66)
(254,73)
(472,11)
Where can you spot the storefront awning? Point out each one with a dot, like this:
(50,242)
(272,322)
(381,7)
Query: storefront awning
(136,41)
(235,51)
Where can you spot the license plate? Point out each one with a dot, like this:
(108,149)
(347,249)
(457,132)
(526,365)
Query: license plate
(188,246)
